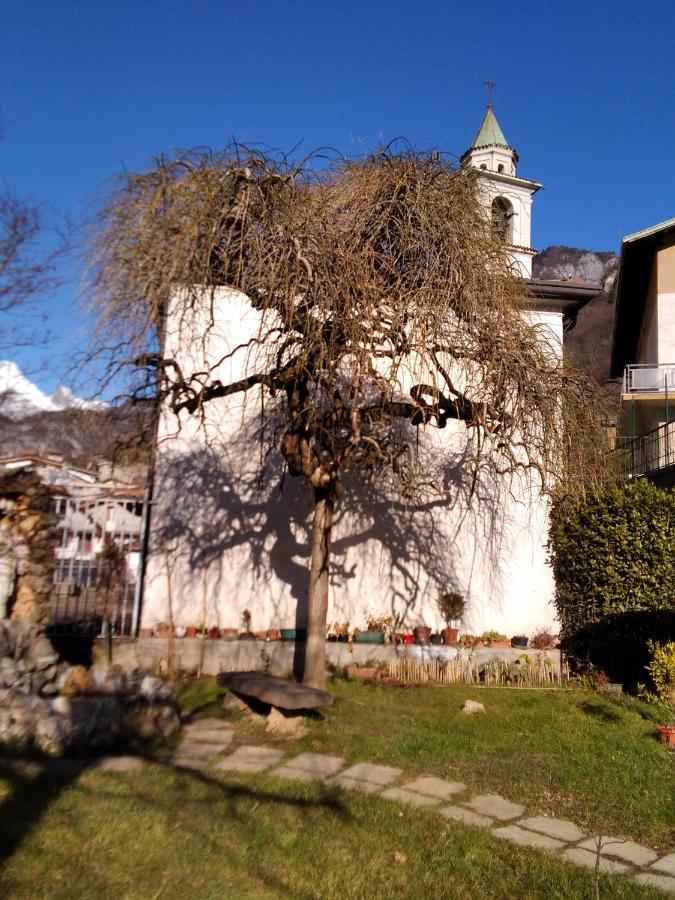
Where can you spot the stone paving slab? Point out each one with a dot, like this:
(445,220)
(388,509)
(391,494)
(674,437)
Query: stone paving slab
(203,736)
(374,774)
(189,762)
(435,787)
(370,787)
(586,858)
(495,806)
(317,764)
(296,774)
(411,797)
(465,816)
(208,724)
(525,838)
(658,881)
(560,829)
(117,763)
(250,758)
(627,851)
(197,750)
(665,864)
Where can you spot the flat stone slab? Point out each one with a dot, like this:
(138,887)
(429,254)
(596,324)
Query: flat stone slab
(586,858)
(379,776)
(208,724)
(560,829)
(628,851)
(296,774)
(275,691)
(353,783)
(525,838)
(220,737)
(665,864)
(118,763)
(465,816)
(495,806)
(316,764)
(435,787)
(197,750)
(658,881)
(403,796)
(249,758)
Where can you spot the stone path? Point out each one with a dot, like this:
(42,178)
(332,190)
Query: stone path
(206,739)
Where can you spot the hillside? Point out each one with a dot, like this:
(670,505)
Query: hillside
(590,341)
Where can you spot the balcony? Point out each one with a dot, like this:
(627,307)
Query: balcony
(651,454)
(649,379)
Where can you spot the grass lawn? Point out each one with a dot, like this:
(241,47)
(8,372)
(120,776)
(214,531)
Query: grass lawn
(162,833)
(167,834)
(592,758)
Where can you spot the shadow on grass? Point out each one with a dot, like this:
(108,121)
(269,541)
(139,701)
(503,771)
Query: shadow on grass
(36,784)
(601,712)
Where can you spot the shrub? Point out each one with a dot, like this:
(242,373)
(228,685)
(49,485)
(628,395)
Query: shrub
(614,567)
(662,670)
(613,553)
(542,640)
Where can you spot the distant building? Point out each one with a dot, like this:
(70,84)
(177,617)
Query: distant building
(643,352)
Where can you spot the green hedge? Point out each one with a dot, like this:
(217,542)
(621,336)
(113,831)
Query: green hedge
(613,553)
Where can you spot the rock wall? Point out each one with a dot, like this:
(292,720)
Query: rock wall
(51,707)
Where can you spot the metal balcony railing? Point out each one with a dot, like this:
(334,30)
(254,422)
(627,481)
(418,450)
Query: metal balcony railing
(649,378)
(647,453)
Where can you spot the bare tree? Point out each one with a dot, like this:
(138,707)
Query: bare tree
(387,305)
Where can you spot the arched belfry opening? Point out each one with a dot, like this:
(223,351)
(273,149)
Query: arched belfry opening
(502,219)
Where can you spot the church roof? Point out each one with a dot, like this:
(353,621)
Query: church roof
(489,134)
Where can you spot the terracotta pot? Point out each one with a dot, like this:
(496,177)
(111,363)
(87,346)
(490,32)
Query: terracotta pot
(191,631)
(229,634)
(273,634)
(213,634)
(162,632)
(500,644)
(667,734)
(363,673)
(422,634)
(449,636)
(146,632)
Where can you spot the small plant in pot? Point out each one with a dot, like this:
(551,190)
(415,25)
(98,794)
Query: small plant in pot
(247,634)
(451,606)
(422,634)
(662,671)
(495,639)
(375,630)
(161,630)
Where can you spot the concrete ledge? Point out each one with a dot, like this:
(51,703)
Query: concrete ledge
(278,656)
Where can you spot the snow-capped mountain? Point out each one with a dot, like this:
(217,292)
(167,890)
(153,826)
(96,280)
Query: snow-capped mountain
(19,397)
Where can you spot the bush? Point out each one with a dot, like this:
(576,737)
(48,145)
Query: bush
(614,567)
(613,553)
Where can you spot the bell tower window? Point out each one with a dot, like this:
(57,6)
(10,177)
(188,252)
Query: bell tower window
(502,219)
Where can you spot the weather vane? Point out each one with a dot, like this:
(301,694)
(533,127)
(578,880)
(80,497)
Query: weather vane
(490,85)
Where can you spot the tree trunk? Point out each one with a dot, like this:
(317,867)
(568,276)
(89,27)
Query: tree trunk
(317,606)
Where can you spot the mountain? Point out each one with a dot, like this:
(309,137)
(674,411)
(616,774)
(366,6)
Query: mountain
(589,343)
(19,397)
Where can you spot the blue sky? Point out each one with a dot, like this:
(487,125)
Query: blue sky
(584,93)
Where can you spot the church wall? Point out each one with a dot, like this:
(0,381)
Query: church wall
(230,540)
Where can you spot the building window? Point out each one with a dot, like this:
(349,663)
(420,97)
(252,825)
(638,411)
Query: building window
(500,167)
(502,219)
(483,166)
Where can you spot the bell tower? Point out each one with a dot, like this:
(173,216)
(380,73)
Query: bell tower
(507,198)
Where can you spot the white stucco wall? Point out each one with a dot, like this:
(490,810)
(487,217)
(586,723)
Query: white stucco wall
(232,540)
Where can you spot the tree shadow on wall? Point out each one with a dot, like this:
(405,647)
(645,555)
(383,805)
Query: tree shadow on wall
(210,504)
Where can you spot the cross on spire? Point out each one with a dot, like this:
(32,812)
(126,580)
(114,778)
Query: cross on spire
(490,84)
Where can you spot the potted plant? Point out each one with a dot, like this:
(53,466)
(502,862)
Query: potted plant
(375,628)
(495,639)
(146,632)
(191,631)
(662,671)
(451,606)
(213,633)
(519,640)
(229,634)
(247,634)
(436,639)
(161,630)
(422,634)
